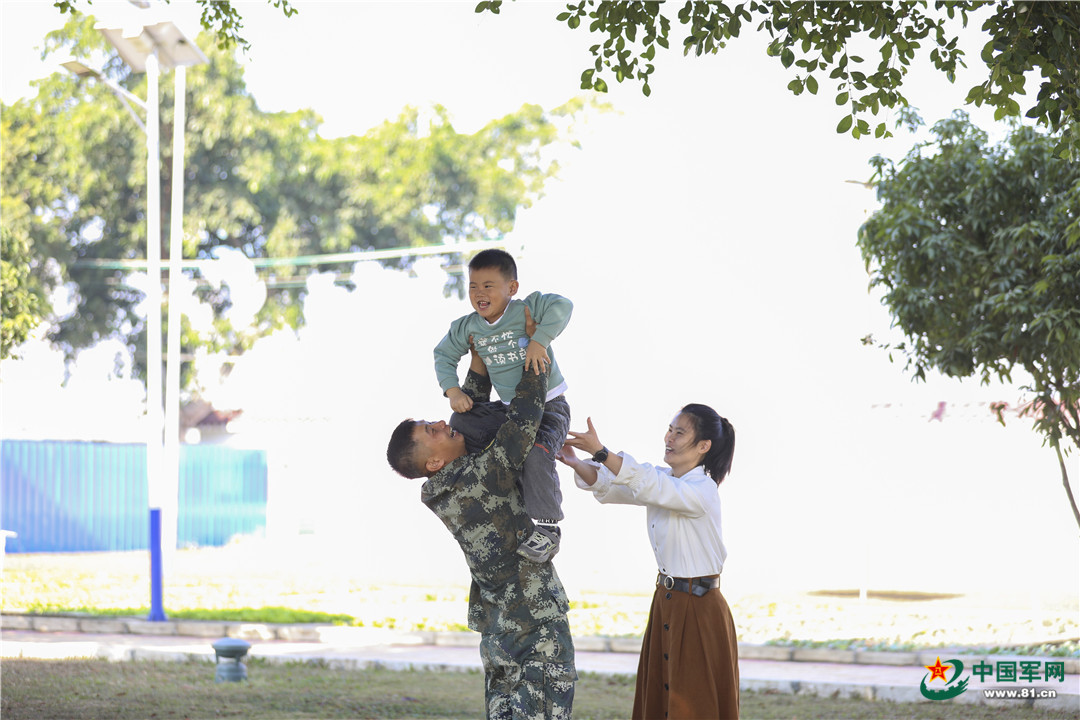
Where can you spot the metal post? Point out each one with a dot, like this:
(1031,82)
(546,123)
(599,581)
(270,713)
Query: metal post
(171,478)
(154,412)
(157,610)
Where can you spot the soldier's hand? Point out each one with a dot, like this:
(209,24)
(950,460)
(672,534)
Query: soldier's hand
(530,324)
(476,363)
(536,357)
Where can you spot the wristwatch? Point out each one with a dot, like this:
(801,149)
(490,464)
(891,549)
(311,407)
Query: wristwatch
(601,455)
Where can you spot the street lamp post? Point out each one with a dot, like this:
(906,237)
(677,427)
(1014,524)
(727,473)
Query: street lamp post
(154,415)
(146,48)
(172,356)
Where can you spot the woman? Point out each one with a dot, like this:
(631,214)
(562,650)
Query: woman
(689,658)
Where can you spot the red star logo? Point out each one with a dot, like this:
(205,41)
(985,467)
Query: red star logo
(937,670)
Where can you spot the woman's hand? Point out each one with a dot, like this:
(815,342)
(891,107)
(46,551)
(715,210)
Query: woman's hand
(590,443)
(567,457)
(584,470)
(587,441)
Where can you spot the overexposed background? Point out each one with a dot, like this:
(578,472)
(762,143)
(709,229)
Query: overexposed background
(706,235)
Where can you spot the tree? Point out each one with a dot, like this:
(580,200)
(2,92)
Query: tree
(977,249)
(74,185)
(219,17)
(19,302)
(821,39)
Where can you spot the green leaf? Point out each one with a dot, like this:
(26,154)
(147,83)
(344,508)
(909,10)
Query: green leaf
(845,124)
(811,84)
(842,98)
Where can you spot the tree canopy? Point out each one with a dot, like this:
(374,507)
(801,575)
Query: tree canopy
(266,184)
(823,42)
(977,250)
(19,302)
(219,17)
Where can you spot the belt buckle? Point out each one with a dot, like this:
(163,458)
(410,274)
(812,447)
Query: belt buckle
(669,582)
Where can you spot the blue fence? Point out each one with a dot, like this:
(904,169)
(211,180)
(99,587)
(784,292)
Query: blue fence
(64,496)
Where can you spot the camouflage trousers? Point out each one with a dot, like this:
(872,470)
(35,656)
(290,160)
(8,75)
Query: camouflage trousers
(530,675)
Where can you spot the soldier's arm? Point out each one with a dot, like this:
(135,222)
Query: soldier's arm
(477,384)
(516,436)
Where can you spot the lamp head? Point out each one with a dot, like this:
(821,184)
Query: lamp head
(77,68)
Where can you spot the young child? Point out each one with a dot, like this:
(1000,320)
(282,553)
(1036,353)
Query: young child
(497,331)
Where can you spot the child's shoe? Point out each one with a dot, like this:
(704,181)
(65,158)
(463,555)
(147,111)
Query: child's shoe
(542,545)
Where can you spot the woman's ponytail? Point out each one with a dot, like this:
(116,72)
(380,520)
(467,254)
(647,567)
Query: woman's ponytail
(708,425)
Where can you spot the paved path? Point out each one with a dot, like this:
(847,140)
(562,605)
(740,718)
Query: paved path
(457,651)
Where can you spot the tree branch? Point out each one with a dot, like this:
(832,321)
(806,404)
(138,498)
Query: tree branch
(1065,482)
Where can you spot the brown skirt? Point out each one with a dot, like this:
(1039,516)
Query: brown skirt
(689,666)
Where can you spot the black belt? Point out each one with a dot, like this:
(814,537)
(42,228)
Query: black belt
(696,586)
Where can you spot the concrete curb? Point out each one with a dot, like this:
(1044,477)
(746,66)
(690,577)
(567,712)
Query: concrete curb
(362,636)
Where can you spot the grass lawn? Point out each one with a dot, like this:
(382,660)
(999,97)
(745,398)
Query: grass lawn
(260,583)
(230,582)
(101,690)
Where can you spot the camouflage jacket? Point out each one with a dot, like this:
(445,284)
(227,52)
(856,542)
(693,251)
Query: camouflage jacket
(478,499)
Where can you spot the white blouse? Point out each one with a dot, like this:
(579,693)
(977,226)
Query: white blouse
(683,513)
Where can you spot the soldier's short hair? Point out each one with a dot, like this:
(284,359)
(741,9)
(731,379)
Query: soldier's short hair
(403,450)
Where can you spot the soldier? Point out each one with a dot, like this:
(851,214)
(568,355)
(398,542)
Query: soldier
(518,606)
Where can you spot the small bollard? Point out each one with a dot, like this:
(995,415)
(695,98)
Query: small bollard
(232,650)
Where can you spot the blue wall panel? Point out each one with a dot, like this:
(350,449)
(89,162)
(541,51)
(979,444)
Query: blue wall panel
(62,496)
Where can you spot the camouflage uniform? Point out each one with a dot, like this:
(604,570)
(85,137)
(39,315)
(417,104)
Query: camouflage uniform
(518,606)
(539,480)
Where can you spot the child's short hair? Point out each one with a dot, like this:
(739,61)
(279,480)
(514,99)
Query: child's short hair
(402,451)
(495,258)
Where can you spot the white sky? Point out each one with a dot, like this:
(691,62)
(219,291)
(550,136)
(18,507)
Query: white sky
(707,238)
